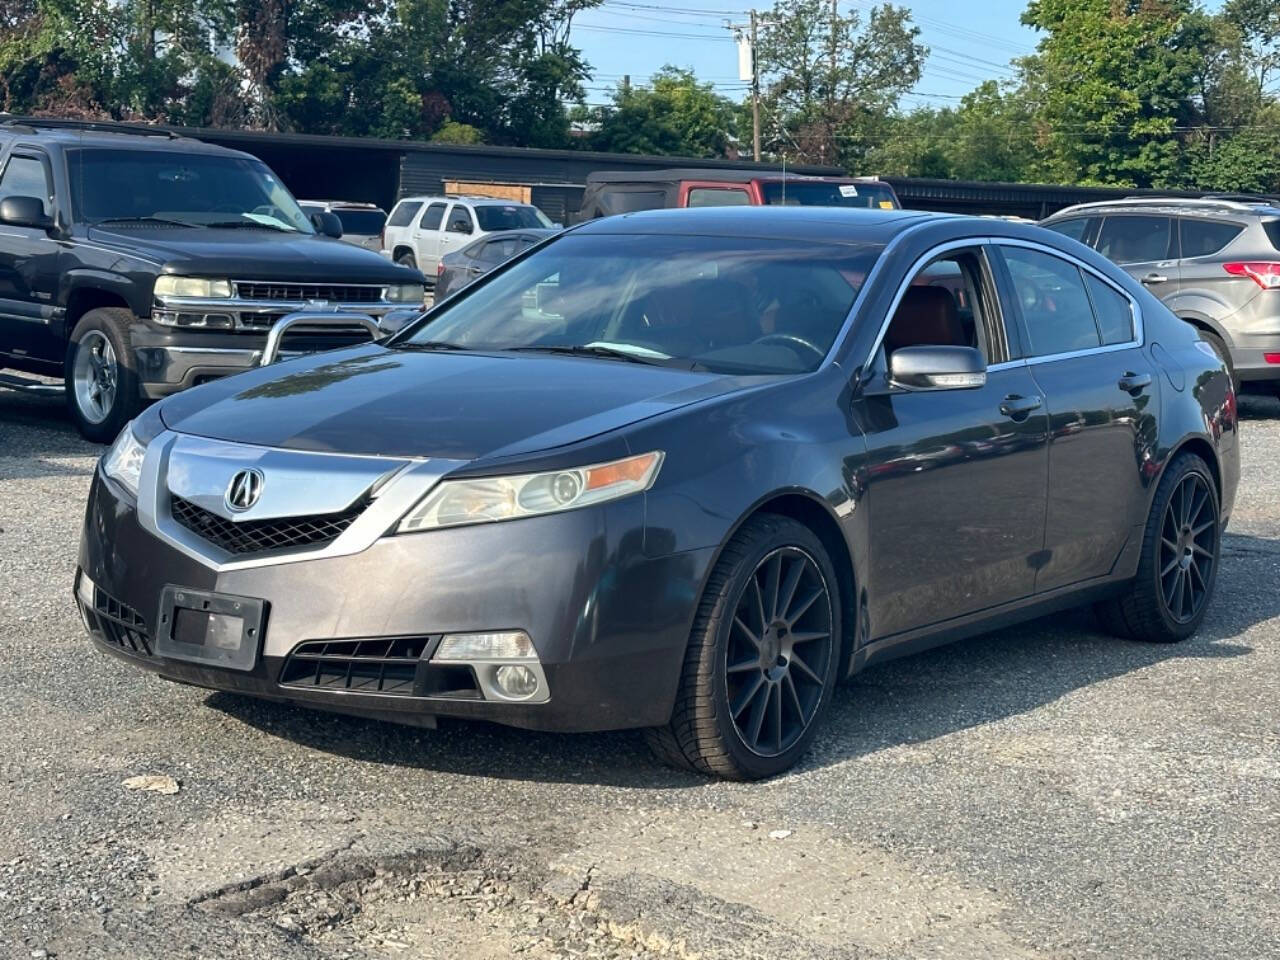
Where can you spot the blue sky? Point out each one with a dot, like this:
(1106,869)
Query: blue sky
(971,41)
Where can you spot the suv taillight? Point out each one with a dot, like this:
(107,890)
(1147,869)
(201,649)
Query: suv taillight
(440,269)
(1265,273)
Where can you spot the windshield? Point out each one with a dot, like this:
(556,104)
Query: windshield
(726,304)
(364,223)
(811,193)
(509,216)
(195,188)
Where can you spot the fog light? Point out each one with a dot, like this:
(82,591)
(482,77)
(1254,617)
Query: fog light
(516,682)
(84,590)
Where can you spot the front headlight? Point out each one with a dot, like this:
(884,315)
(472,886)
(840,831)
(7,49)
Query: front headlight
(489,499)
(199,287)
(406,293)
(123,462)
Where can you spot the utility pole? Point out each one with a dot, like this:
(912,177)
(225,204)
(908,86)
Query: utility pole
(755,93)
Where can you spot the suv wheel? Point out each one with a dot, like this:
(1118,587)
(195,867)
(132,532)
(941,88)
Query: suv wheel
(1178,566)
(102,382)
(762,658)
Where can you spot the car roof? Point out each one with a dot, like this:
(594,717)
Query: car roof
(1170,206)
(829,224)
(120,137)
(712,175)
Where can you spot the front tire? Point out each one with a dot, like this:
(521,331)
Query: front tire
(1178,566)
(101,374)
(762,659)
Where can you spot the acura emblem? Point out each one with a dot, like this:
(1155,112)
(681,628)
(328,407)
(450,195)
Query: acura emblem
(244,490)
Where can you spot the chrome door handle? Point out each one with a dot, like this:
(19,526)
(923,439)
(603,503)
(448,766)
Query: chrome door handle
(1019,408)
(1155,278)
(1134,383)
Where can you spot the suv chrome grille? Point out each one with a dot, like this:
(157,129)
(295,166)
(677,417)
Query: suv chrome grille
(261,536)
(297,292)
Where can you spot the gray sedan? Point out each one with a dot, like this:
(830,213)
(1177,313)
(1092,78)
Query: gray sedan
(475,260)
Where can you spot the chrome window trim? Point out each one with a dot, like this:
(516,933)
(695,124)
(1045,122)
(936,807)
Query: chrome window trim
(412,479)
(917,265)
(1139,328)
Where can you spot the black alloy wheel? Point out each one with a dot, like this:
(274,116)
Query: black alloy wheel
(1188,548)
(778,651)
(763,656)
(1178,565)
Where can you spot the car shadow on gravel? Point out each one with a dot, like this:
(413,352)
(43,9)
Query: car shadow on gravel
(1257,406)
(976,681)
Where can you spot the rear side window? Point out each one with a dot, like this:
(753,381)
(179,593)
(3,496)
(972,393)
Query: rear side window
(1203,238)
(627,201)
(25,177)
(1113,310)
(718,197)
(1055,305)
(1272,227)
(404,213)
(498,251)
(1135,239)
(1075,228)
(431,219)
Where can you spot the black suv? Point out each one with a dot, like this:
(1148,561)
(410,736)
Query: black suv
(134,263)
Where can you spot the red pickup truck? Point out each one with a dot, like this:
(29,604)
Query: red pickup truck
(611,193)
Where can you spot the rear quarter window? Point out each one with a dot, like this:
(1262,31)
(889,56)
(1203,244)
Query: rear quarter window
(1272,228)
(404,213)
(1203,238)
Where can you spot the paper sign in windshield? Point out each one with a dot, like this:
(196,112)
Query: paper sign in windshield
(848,190)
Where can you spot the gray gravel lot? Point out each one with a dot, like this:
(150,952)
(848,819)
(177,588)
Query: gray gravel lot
(1044,791)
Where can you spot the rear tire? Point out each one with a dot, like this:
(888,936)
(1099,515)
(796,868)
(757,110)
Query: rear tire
(101,374)
(1178,567)
(762,658)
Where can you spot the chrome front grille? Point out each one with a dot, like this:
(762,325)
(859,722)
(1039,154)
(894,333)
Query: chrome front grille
(302,292)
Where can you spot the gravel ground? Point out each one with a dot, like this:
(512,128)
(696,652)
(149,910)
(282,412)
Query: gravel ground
(1044,791)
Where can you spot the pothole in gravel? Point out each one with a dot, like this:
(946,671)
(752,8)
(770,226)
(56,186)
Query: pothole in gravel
(441,901)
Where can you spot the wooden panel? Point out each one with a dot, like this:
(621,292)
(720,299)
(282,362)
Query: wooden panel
(501,191)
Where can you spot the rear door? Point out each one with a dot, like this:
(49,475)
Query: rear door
(1146,245)
(1083,340)
(426,237)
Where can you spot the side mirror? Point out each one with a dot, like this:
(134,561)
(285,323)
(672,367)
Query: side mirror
(460,228)
(937,368)
(25,212)
(328,224)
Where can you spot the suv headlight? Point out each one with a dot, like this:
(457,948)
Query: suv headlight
(406,293)
(199,287)
(489,499)
(123,462)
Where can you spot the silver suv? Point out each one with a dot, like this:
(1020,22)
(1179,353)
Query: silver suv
(1215,262)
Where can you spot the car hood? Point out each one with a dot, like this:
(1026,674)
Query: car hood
(253,254)
(375,401)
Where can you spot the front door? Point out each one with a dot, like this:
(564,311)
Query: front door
(1101,390)
(457,233)
(28,266)
(956,479)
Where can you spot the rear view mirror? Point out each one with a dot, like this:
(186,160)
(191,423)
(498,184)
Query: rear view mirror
(328,224)
(937,368)
(24,212)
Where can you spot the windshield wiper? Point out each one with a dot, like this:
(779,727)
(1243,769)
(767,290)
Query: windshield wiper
(582,350)
(429,345)
(163,220)
(242,224)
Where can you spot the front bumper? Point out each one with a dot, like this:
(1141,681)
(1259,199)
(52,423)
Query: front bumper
(609,623)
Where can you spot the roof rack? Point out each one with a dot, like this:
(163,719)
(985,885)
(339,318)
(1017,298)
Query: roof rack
(1208,201)
(34,124)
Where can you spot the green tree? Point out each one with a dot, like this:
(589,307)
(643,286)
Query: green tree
(1116,81)
(674,114)
(830,80)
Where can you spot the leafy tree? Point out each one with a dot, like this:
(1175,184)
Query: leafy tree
(1258,24)
(674,114)
(828,80)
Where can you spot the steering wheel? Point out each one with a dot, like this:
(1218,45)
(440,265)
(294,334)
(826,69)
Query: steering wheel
(790,340)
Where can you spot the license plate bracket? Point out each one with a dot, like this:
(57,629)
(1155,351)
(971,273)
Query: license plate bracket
(215,629)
